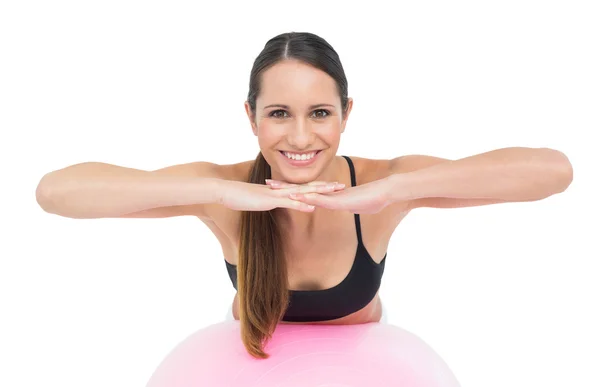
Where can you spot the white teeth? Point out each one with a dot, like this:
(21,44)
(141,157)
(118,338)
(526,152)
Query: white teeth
(302,157)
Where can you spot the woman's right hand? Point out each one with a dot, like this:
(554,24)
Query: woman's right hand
(242,196)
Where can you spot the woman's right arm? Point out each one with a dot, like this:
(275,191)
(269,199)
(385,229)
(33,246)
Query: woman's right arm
(99,190)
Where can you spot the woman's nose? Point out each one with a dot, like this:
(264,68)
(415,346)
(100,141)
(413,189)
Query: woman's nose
(300,135)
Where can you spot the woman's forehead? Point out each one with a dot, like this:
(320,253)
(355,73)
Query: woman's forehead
(297,84)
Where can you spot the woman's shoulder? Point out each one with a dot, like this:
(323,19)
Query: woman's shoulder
(235,171)
(380,168)
(369,169)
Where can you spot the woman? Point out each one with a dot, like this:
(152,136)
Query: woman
(304,231)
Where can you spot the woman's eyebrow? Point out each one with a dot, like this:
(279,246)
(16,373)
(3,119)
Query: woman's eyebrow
(287,107)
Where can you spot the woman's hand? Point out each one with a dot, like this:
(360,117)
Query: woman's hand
(367,198)
(242,196)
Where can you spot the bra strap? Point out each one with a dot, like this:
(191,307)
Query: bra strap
(353,181)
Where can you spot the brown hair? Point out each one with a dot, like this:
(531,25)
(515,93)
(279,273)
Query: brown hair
(262,271)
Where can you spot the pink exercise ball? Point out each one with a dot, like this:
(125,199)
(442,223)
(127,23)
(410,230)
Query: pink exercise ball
(306,355)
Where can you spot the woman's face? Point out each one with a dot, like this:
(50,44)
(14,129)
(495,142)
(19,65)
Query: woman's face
(298,120)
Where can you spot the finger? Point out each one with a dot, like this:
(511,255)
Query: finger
(271,182)
(305,189)
(296,205)
(283,184)
(280,184)
(317,200)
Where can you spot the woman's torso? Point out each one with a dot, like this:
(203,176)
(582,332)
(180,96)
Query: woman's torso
(318,258)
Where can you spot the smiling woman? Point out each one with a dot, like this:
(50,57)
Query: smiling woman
(304,230)
(293,80)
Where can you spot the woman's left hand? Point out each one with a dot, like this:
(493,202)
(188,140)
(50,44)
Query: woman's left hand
(367,198)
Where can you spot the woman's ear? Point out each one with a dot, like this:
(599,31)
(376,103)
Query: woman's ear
(251,117)
(347,113)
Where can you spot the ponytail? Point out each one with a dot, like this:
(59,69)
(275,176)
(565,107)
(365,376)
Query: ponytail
(262,271)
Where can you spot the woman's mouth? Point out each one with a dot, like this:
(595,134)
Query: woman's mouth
(300,159)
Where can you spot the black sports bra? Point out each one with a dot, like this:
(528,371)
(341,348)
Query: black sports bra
(349,296)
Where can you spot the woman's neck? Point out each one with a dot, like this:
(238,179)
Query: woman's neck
(303,222)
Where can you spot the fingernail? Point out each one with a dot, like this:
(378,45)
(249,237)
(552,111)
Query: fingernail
(340,185)
(268,180)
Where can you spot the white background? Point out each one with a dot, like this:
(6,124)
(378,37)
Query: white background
(507,295)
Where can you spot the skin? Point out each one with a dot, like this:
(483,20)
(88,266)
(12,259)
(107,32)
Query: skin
(299,128)
(318,258)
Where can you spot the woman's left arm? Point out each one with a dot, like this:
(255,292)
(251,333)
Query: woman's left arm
(516,174)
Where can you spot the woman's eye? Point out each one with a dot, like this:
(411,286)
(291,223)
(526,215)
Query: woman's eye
(323,111)
(275,113)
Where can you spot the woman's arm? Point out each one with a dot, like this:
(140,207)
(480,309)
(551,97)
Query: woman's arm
(499,176)
(98,190)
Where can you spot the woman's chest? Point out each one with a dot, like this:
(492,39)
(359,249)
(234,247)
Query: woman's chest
(320,257)
(320,262)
